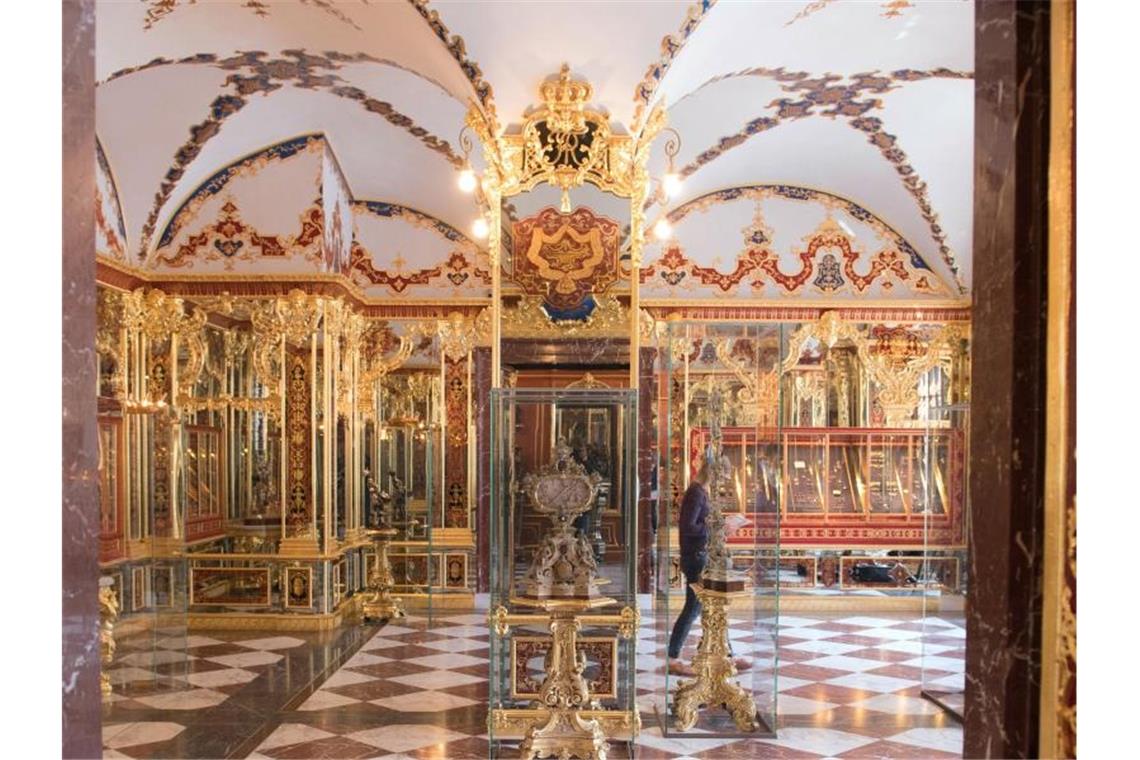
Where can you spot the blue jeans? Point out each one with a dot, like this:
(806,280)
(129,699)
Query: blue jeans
(692,566)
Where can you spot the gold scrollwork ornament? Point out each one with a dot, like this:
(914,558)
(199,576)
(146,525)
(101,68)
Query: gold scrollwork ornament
(566,732)
(108,614)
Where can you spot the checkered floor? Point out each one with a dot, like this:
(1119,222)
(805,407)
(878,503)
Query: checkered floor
(848,687)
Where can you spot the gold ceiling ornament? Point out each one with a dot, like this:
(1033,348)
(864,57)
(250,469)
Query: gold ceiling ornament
(564,142)
(459,333)
(529,320)
(894,362)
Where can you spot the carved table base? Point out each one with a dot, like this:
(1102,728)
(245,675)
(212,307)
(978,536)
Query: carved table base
(715,684)
(565,693)
(379,604)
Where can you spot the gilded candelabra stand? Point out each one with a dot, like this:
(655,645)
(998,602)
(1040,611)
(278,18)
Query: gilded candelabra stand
(715,682)
(108,614)
(379,604)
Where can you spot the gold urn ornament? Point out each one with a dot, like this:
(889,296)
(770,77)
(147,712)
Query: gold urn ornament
(563,565)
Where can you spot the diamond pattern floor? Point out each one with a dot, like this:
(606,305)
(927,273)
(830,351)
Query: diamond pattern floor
(849,687)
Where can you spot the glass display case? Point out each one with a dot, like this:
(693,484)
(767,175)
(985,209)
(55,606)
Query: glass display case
(564,613)
(942,574)
(723,470)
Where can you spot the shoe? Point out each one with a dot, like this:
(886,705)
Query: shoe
(742,664)
(679,668)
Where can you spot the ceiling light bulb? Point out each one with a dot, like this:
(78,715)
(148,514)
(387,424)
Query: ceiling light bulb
(662,230)
(480,228)
(673,184)
(467,181)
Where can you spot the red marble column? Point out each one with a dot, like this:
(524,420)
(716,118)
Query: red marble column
(481,409)
(1003,622)
(82,734)
(455,447)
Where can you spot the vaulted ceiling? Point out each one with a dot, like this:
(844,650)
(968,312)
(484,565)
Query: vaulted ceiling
(828,115)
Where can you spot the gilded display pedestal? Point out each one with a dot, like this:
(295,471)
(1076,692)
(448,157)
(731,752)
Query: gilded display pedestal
(569,723)
(715,683)
(565,693)
(379,604)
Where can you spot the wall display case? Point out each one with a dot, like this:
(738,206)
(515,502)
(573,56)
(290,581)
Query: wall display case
(864,487)
(728,466)
(563,605)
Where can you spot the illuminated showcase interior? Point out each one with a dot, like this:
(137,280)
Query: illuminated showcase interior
(417,321)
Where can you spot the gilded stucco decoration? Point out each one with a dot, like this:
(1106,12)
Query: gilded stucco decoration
(528,319)
(160,318)
(459,333)
(563,143)
(894,358)
(290,319)
(757,399)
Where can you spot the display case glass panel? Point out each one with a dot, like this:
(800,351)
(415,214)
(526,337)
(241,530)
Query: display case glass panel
(563,559)
(723,468)
(942,574)
(404,462)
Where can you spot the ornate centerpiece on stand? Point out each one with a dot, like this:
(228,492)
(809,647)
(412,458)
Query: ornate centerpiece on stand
(563,581)
(564,566)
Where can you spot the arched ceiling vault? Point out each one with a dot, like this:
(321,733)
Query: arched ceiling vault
(866,101)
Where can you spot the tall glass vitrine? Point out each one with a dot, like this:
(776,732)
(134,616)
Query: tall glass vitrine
(945,592)
(721,483)
(563,609)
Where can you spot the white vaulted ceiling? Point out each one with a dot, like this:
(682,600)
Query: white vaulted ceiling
(867,102)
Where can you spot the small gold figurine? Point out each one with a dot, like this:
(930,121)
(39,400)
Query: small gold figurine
(108,614)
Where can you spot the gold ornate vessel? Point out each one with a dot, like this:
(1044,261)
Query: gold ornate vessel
(563,565)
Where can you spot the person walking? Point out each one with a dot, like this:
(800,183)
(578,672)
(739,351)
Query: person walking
(694,535)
